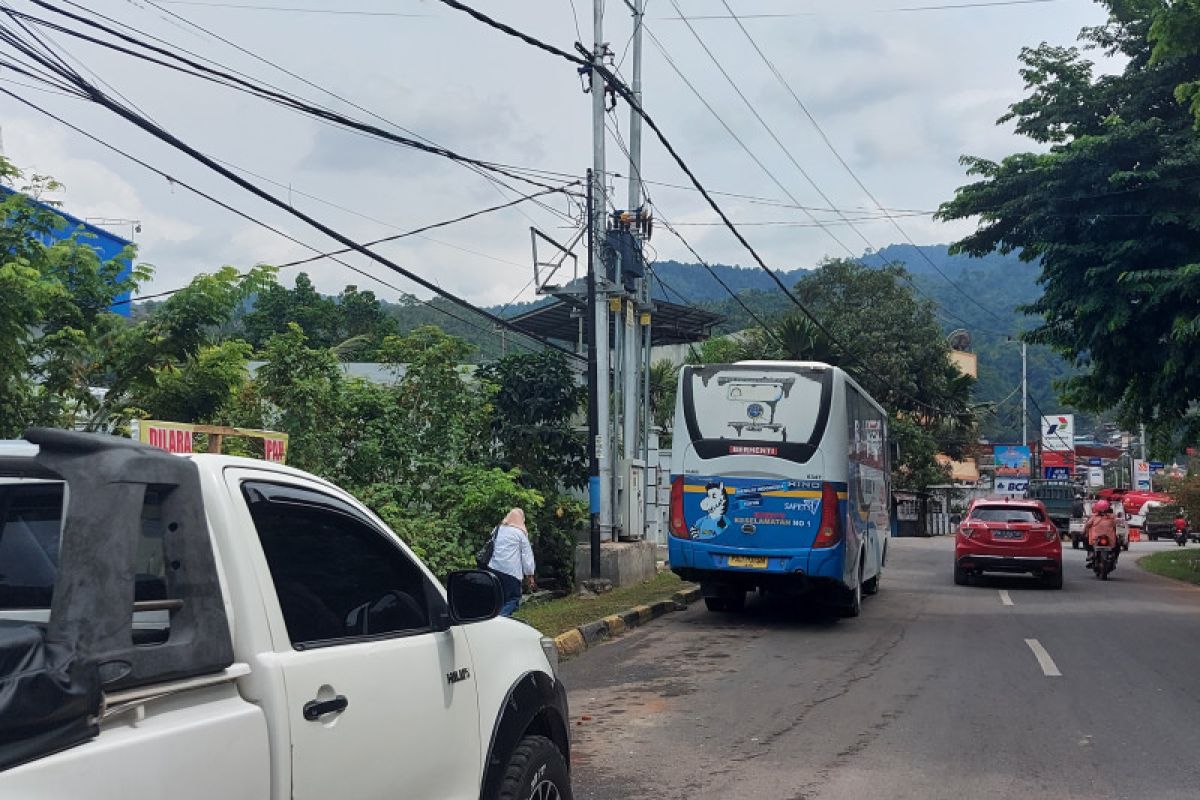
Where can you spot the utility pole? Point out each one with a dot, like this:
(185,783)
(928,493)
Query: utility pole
(630,316)
(594,473)
(602,483)
(1024,396)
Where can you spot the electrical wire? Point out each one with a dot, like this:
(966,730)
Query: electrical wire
(329,232)
(841,160)
(871,248)
(179,63)
(626,94)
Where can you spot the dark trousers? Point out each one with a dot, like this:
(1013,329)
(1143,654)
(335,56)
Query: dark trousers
(511,587)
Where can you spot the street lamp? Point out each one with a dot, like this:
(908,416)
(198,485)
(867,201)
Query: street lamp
(1024,390)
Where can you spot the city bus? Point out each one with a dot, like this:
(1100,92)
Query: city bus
(780,482)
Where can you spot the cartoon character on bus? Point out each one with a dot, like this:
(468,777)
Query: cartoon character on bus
(715,505)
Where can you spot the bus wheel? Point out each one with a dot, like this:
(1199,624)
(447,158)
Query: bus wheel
(715,604)
(855,606)
(872,584)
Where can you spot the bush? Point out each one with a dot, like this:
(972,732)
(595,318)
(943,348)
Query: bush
(554,534)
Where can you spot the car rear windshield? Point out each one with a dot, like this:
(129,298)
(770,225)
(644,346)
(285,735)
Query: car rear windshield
(1006,514)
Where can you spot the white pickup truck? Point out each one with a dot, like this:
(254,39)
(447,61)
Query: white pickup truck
(213,627)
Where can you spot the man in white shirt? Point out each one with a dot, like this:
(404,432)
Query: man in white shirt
(512,559)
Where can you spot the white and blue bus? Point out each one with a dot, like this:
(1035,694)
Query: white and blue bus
(780,481)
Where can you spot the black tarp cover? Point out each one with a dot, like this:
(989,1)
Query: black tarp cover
(49,698)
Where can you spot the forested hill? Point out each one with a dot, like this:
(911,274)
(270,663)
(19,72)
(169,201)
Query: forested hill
(979,294)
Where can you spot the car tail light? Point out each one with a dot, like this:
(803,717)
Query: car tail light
(1051,533)
(967,530)
(830,532)
(678,524)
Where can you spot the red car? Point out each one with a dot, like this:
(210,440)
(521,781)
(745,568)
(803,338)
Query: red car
(1008,535)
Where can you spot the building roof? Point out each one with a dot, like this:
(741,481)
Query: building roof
(671,323)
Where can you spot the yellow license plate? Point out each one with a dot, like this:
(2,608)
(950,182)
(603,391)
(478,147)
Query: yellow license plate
(748,561)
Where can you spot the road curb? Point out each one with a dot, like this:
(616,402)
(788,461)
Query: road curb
(577,640)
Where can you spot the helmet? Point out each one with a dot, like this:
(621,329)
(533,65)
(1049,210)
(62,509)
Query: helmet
(1101,507)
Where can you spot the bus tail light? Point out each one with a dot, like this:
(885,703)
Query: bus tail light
(678,524)
(830,532)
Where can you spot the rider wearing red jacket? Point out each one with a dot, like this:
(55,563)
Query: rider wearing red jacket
(1100,523)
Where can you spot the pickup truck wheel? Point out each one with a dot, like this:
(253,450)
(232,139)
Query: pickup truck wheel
(536,771)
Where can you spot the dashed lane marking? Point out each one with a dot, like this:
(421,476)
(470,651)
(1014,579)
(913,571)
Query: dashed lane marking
(1049,668)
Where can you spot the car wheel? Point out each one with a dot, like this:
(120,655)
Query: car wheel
(1053,580)
(715,604)
(536,771)
(961,577)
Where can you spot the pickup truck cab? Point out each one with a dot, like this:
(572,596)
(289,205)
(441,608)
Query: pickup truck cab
(218,627)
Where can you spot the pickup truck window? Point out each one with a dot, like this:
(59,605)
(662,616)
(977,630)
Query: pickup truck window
(30,537)
(338,577)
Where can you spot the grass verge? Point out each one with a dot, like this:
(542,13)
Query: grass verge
(1182,565)
(560,616)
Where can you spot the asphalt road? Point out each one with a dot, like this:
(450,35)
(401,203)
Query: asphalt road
(936,691)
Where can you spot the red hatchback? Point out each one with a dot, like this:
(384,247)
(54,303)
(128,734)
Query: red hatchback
(1008,535)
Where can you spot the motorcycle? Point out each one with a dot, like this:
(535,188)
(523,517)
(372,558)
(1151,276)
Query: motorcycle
(1104,556)
(1181,536)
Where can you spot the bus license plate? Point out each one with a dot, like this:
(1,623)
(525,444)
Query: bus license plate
(748,561)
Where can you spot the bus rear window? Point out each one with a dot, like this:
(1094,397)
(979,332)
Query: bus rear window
(757,405)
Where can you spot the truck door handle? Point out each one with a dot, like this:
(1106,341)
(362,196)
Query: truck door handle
(315,709)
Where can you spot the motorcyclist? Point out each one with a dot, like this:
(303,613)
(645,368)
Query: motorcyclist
(1101,522)
(1181,525)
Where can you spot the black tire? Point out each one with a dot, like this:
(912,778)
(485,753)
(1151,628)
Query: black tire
(961,577)
(536,771)
(715,604)
(872,585)
(1125,546)
(1074,544)
(854,608)
(1052,580)
(1153,538)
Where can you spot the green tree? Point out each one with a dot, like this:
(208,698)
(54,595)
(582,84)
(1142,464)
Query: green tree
(1110,211)
(56,329)
(536,399)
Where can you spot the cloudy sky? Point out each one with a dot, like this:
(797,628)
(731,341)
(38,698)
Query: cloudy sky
(900,93)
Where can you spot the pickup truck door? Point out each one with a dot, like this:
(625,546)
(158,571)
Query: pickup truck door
(381,705)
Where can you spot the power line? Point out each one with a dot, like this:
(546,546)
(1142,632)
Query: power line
(787,152)
(179,63)
(294,9)
(845,165)
(907,9)
(626,94)
(151,128)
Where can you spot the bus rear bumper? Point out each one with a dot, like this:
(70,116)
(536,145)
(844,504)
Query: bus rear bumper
(718,582)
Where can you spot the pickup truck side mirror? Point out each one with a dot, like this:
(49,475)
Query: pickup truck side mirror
(474,595)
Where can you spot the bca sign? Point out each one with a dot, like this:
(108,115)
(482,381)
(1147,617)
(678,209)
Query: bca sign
(1058,432)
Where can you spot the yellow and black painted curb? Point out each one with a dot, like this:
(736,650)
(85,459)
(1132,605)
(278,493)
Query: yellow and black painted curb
(579,639)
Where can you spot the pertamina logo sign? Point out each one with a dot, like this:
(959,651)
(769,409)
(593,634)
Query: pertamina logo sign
(1058,432)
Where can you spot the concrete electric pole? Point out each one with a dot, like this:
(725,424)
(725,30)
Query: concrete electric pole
(601,483)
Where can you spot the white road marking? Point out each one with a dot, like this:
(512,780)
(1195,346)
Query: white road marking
(1049,668)
(1005,598)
